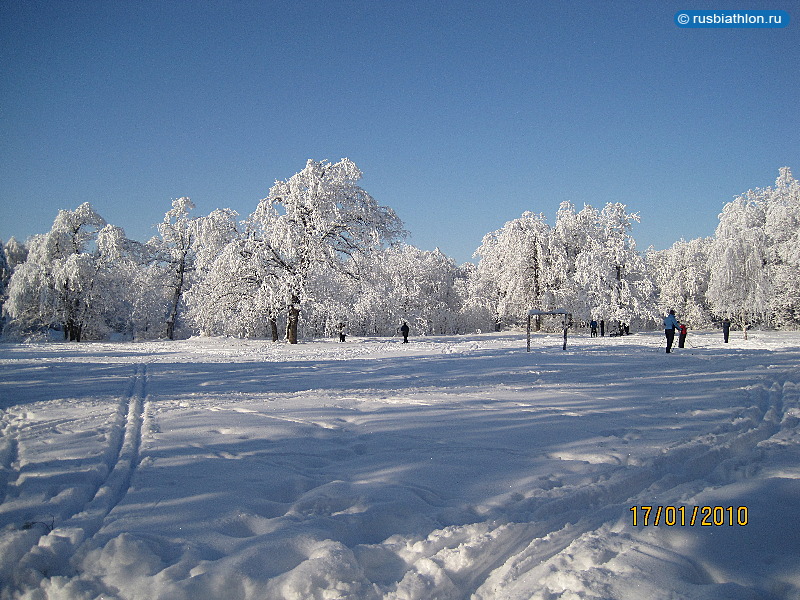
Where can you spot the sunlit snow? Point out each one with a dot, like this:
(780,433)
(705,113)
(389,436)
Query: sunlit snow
(446,468)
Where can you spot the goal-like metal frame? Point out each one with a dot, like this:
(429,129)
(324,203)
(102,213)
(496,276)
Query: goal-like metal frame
(566,322)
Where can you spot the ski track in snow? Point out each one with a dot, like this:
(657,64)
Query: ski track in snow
(341,519)
(52,552)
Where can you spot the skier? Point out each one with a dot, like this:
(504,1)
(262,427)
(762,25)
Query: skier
(593,327)
(404,330)
(670,323)
(682,336)
(726,329)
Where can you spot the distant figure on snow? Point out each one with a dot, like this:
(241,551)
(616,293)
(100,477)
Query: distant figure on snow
(404,330)
(726,329)
(342,334)
(670,323)
(593,327)
(682,335)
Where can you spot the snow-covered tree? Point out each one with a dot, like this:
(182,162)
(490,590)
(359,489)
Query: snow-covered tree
(83,277)
(12,255)
(5,268)
(237,295)
(175,254)
(587,263)
(680,275)
(739,286)
(318,218)
(754,260)
(479,304)
(5,277)
(220,302)
(412,285)
(782,223)
(575,235)
(120,264)
(55,285)
(611,271)
(516,260)
(15,253)
(431,297)
(321,242)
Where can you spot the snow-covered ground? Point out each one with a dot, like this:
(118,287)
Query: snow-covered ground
(447,468)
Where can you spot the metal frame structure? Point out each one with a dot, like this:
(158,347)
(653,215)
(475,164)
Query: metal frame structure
(566,322)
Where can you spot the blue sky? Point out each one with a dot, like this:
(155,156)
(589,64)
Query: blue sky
(461,115)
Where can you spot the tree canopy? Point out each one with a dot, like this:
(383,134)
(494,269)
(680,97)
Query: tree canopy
(319,255)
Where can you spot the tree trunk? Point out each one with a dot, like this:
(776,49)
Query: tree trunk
(72,331)
(294,318)
(273,324)
(176,299)
(73,325)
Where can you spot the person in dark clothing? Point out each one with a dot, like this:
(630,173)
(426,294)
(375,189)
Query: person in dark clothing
(593,327)
(726,329)
(342,334)
(682,335)
(404,330)
(670,323)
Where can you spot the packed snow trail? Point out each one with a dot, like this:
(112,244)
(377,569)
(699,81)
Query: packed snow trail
(77,521)
(448,468)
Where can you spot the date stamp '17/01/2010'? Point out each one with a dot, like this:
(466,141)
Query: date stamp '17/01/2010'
(682,516)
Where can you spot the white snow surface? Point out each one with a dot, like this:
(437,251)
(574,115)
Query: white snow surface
(447,468)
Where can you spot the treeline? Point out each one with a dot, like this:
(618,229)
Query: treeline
(319,254)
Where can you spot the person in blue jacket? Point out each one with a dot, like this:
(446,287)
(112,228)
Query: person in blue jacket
(670,324)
